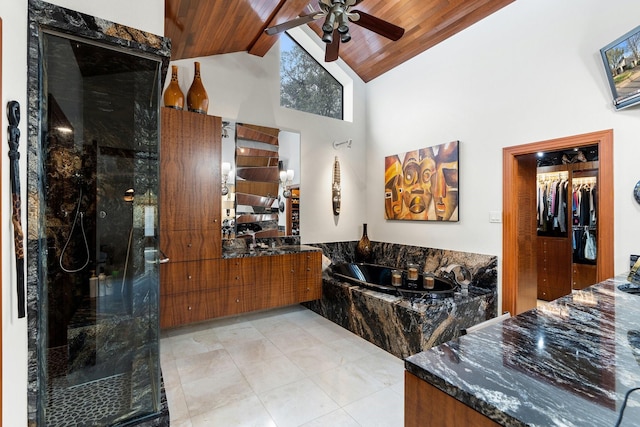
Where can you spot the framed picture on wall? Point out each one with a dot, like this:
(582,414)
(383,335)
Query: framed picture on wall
(422,185)
(622,67)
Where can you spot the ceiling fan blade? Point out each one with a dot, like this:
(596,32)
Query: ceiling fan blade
(293,23)
(379,26)
(333,48)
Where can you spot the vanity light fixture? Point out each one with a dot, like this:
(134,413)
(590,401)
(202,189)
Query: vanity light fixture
(285,179)
(226,169)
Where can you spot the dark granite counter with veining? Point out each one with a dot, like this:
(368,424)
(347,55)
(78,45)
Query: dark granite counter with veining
(267,250)
(569,364)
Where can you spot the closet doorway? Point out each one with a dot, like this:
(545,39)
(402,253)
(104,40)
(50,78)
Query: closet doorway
(520,222)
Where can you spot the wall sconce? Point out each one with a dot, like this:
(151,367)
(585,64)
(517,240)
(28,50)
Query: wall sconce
(347,143)
(226,168)
(129,195)
(285,179)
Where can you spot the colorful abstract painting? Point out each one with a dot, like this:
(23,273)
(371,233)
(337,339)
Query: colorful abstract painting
(422,185)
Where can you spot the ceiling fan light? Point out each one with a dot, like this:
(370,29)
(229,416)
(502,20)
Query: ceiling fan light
(343,26)
(345,37)
(327,37)
(327,27)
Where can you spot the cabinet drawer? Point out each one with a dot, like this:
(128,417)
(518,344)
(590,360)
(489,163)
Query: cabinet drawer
(309,288)
(197,306)
(191,245)
(188,276)
(544,293)
(584,275)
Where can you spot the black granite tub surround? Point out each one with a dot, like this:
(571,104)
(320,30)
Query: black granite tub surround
(405,326)
(483,268)
(569,364)
(398,325)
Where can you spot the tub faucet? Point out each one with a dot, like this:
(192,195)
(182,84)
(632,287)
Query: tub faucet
(458,274)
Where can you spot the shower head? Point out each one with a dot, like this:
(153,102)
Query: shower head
(78,179)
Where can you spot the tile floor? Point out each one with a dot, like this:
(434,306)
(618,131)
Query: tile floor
(279,368)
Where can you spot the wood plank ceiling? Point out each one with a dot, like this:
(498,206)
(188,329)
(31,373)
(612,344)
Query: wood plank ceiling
(210,27)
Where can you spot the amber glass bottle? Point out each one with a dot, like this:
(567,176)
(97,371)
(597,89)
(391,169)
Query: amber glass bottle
(173,96)
(363,249)
(197,99)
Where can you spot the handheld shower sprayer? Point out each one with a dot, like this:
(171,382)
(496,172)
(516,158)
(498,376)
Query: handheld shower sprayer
(78,178)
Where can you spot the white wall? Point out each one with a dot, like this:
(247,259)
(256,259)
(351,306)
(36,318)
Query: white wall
(246,88)
(147,15)
(241,87)
(528,73)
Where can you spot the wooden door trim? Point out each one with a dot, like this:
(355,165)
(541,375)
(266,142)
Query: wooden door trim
(1,240)
(512,217)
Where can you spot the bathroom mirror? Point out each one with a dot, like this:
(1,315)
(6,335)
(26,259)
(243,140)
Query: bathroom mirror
(260,181)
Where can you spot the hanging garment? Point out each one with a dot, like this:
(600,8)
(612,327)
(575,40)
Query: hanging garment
(562,205)
(585,206)
(590,246)
(593,206)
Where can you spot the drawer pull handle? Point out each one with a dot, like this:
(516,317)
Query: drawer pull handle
(189,308)
(188,245)
(237,299)
(189,276)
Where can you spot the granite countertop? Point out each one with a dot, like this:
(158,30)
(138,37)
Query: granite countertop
(568,364)
(266,250)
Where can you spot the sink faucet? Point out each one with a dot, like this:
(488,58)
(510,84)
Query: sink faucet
(458,274)
(251,235)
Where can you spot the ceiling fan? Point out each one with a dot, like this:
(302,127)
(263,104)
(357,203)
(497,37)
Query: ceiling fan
(337,14)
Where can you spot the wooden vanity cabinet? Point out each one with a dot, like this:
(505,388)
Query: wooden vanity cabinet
(190,185)
(197,284)
(280,280)
(425,405)
(197,291)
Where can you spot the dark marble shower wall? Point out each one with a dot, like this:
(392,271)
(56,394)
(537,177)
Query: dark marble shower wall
(110,150)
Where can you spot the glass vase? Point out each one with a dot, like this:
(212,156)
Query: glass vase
(363,248)
(197,98)
(173,96)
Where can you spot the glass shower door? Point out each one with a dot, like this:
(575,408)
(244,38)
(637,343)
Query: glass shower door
(99,284)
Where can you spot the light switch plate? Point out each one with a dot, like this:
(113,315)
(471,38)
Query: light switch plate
(495,216)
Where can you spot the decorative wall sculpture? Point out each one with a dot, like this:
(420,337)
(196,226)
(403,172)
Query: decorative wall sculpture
(13,114)
(422,185)
(335,187)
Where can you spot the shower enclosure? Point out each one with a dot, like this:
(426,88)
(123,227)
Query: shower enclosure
(93,257)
